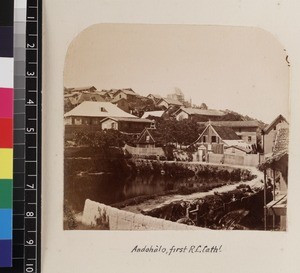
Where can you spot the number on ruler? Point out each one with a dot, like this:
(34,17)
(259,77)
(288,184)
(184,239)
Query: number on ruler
(31,186)
(30,130)
(30,74)
(30,101)
(29,214)
(31,45)
(30,242)
(29,268)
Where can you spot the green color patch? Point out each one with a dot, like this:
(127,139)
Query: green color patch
(6,188)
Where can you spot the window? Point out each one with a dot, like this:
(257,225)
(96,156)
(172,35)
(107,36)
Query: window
(102,109)
(204,139)
(213,139)
(113,125)
(78,121)
(249,138)
(147,138)
(120,96)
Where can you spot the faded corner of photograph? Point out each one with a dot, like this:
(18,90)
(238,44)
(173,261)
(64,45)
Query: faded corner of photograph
(172,127)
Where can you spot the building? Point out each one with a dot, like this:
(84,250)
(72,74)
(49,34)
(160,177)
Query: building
(269,134)
(246,130)
(126,94)
(92,113)
(149,137)
(130,125)
(219,144)
(194,113)
(216,137)
(156,98)
(275,169)
(166,103)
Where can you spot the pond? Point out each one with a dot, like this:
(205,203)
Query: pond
(108,189)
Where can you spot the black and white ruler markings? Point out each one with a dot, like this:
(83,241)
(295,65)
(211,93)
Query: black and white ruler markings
(27,138)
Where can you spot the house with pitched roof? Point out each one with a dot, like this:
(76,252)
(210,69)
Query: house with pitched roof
(220,144)
(130,125)
(92,113)
(269,133)
(149,138)
(247,130)
(275,169)
(194,113)
(166,103)
(214,138)
(126,94)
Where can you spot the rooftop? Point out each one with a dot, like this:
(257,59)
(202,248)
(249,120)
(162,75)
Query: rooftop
(226,133)
(97,109)
(171,101)
(233,124)
(202,112)
(153,114)
(130,119)
(273,123)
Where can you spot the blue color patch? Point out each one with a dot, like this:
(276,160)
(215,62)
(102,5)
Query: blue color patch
(5,253)
(5,224)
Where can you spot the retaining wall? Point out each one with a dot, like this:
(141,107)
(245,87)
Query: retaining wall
(124,220)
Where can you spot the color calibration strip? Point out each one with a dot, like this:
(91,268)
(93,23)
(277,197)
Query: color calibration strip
(6,129)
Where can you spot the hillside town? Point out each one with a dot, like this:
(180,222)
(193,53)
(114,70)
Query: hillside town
(160,129)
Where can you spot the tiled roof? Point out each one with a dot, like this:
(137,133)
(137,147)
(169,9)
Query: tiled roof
(98,109)
(202,112)
(233,124)
(226,133)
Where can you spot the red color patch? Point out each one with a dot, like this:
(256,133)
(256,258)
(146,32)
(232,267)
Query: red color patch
(6,133)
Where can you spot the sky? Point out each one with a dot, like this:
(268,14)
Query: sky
(238,68)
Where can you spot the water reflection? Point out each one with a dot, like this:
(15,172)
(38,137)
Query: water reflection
(108,189)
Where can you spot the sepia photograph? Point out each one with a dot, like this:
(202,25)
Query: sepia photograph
(175,127)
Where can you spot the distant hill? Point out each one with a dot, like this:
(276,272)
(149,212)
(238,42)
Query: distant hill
(234,116)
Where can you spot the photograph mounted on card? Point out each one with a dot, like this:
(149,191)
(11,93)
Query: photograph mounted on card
(175,127)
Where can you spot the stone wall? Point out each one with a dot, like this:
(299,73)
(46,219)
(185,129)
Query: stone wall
(123,220)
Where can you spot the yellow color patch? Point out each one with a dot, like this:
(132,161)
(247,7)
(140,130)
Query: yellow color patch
(6,163)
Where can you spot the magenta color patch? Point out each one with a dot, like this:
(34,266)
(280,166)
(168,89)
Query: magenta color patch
(6,102)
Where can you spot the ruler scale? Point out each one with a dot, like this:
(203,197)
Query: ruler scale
(27,138)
